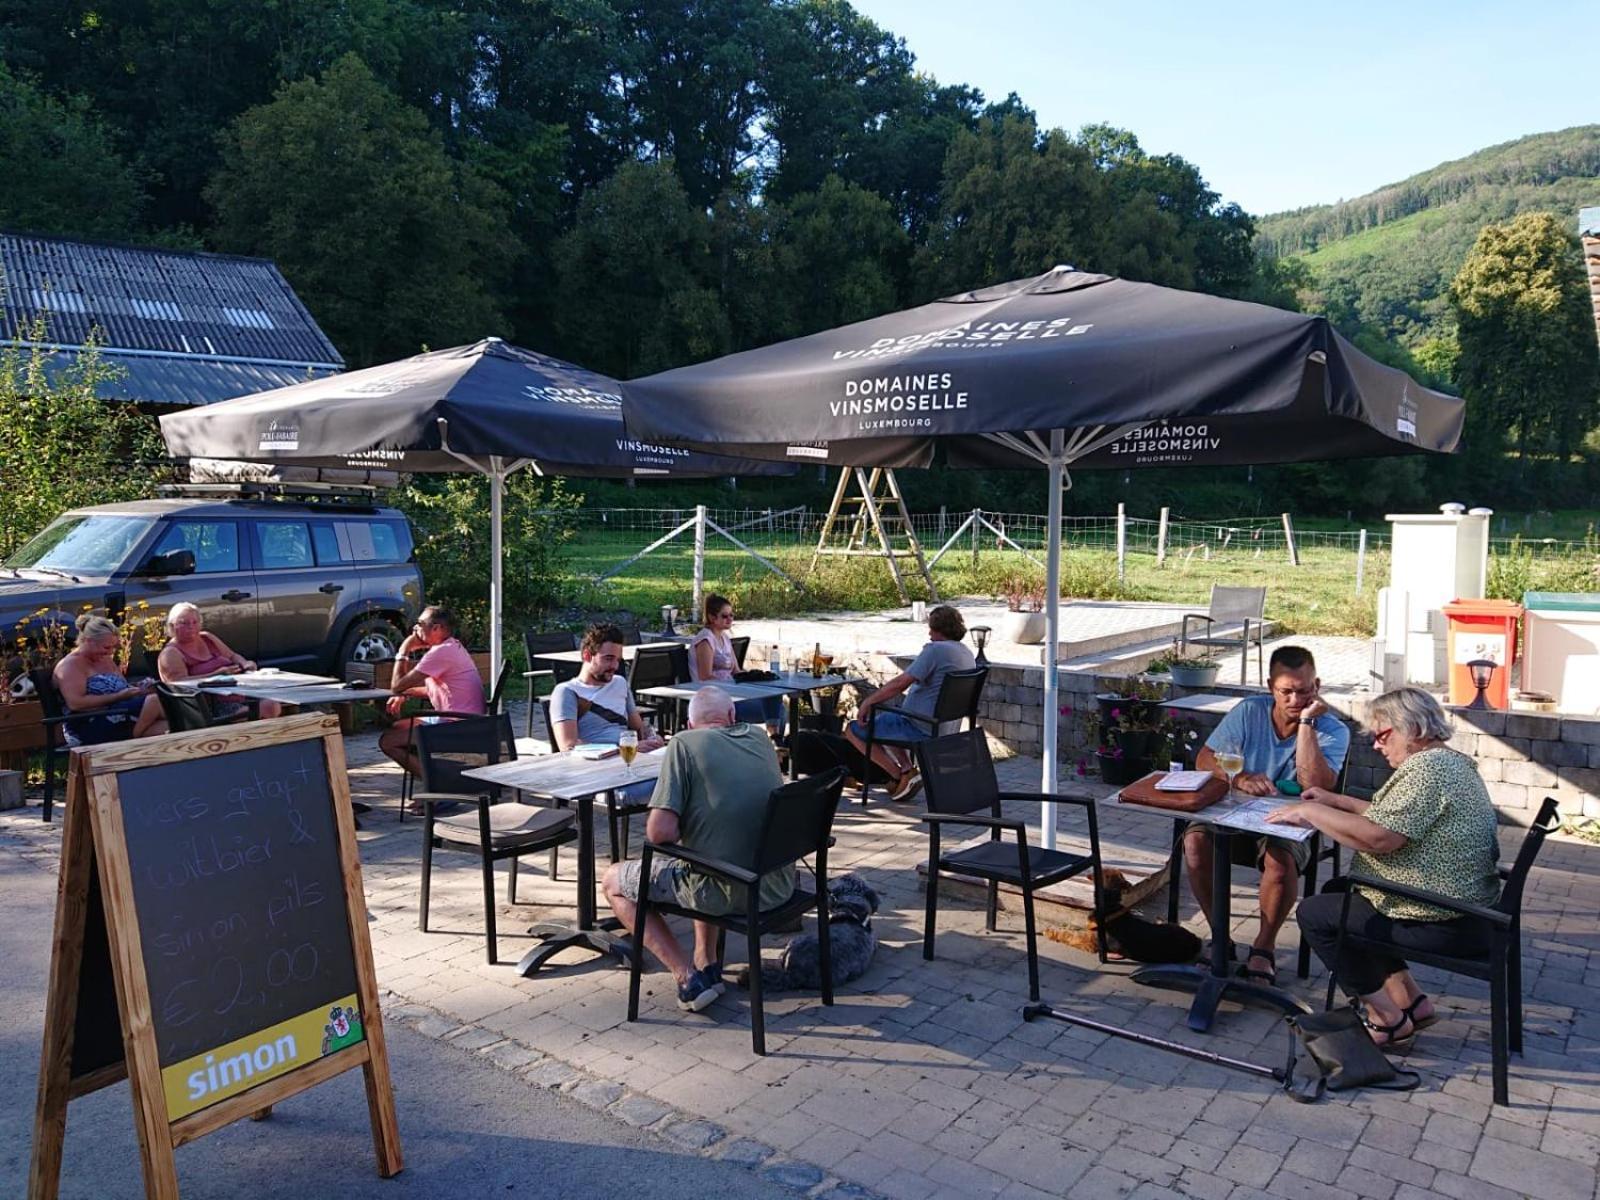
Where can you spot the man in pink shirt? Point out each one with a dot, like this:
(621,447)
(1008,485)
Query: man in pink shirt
(445,676)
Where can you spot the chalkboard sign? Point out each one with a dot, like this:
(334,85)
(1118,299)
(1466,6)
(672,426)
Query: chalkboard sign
(240,895)
(212,878)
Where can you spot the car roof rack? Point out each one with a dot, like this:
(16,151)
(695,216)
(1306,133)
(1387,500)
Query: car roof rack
(351,495)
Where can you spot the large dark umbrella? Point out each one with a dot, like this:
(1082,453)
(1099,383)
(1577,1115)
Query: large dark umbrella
(1065,369)
(490,408)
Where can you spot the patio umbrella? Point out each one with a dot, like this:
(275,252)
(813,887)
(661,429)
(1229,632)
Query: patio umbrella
(1068,368)
(490,408)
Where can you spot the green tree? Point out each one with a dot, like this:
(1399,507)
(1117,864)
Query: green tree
(1528,363)
(63,446)
(391,244)
(67,175)
(634,277)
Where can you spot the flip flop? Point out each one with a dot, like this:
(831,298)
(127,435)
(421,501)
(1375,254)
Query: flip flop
(1255,974)
(1392,1038)
(1420,1023)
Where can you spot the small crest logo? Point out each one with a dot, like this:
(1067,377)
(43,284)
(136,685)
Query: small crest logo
(280,435)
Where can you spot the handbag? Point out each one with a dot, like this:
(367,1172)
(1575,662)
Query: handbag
(1144,791)
(1345,1055)
(753,676)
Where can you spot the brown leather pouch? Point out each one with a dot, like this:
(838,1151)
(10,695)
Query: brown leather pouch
(1143,791)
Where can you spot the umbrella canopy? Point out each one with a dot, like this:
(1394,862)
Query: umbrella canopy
(1067,368)
(490,408)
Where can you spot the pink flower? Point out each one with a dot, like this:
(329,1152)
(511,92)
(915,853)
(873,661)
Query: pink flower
(1116,752)
(1116,714)
(1173,713)
(1066,710)
(1083,767)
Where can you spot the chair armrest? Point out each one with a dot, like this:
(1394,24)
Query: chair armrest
(449,797)
(1040,797)
(1493,915)
(971,819)
(539,673)
(1206,617)
(706,863)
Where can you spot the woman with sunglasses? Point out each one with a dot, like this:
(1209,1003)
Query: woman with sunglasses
(1430,826)
(711,660)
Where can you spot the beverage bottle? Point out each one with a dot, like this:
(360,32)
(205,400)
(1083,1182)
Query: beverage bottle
(816,660)
(773,662)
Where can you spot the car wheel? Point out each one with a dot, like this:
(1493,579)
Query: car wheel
(371,640)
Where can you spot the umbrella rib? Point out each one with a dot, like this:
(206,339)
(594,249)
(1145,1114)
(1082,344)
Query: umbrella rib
(1012,442)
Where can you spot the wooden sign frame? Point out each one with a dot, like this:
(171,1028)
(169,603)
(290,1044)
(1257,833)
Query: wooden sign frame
(93,837)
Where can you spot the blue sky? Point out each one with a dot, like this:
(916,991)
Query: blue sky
(1280,105)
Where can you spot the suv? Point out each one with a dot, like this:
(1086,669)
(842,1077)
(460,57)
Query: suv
(313,578)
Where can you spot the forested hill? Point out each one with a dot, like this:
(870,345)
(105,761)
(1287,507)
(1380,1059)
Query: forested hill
(1383,261)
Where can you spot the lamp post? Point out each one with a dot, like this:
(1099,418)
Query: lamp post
(1482,671)
(980,639)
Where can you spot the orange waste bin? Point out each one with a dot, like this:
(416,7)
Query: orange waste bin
(1482,629)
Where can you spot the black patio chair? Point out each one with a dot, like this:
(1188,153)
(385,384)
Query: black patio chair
(959,782)
(490,828)
(534,644)
(798,824)
(184,707)
(493,703)
(1500,966)
(958,698)
(659,667)
(55,718)
(741,647)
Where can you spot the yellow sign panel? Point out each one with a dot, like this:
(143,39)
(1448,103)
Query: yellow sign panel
(203,1080)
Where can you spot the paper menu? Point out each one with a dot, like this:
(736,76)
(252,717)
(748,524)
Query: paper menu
(1249,816)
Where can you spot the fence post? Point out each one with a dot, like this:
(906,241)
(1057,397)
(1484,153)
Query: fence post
(1122,542)
(699,559)
(1361,560)
(1288,536)
(1161,538)
(977,519)
(941,524)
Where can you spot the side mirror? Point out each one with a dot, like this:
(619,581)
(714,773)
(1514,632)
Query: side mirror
(173,562)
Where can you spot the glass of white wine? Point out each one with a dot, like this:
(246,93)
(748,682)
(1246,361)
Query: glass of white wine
(628,746)
(1231,760)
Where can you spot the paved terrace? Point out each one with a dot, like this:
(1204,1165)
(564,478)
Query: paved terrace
(923,1081)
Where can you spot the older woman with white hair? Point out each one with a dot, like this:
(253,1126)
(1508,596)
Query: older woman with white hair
(1430,826)
(195,654)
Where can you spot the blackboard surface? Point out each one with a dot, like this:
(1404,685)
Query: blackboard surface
(240,896)
(97,1038)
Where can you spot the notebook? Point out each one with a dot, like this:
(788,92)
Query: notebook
(1182,781)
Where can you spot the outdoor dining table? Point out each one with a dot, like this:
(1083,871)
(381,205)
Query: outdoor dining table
(790,684)
(576,656)
(568,776)
(1234,815)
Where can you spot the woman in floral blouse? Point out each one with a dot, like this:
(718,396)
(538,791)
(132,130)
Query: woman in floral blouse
(1431,826)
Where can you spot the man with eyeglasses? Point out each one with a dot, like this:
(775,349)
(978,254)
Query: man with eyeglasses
(1286,738)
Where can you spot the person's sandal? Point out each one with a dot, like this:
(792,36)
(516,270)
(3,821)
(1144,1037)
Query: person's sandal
(907,786)
(1392,1038)
(1267,978)
(1420,1023)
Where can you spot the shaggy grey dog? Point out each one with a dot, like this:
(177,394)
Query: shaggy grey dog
(851,903)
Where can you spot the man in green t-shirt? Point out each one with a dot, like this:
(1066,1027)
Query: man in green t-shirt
(711,796)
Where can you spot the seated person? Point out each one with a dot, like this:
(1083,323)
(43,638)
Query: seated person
(711,796)
(1288,735)
(1432,826)
(92,684)
(445,675)
(195,654)
(597,706)
(711,659)
(920,683)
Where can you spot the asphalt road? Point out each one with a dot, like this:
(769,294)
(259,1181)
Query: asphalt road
(467,1128)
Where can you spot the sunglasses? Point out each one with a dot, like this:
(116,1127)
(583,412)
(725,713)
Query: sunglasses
(1380,736)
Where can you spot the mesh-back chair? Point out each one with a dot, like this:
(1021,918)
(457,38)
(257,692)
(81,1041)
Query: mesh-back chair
(489,829)
(184,707)
(959,694)
(741,647)
(534,644)
(798,824)
(631,636)
(1242,606)
(1308,880)
(959,782)
(659,667)
(55,717)
(1500,966)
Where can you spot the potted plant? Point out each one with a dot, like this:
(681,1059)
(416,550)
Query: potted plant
(1023,593)
(1137,735)
(1195,672)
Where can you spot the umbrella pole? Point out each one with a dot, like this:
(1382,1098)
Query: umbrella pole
(497,484)
(1052,641)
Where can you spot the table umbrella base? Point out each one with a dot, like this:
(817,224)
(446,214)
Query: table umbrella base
(556,938)
(1210,990)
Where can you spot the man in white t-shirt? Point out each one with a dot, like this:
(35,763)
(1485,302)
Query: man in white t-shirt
(598,705)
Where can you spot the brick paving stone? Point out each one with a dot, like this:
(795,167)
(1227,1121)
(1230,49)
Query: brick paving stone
(1459,1187)
(1247,1165)
(640,1111)
(1313,1160)
(597,1093)
(476,1038)
(1361,1182)
(1512,1166)
(1330,1124)
(695,1135)
(1291,1186)
(1042,1162)
(800,1177)
(1100,1183)
(1394,1166)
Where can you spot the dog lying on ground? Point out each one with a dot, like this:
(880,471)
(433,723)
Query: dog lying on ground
(851,942)
(1129,934)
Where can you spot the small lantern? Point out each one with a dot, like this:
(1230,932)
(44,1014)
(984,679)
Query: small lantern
(1482,671)
(980,639)
(669,613)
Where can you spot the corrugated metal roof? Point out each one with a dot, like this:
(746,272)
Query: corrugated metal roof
(205,307)
(163,379)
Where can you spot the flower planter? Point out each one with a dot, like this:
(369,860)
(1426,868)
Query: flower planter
(1136,743)
(1120,771)
(1025,628)
(1196,677)
(1137,712)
